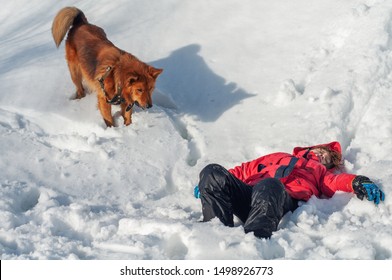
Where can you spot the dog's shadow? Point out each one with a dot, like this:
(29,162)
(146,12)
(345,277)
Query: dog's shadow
(191,87)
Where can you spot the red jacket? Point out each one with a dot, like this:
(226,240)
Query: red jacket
(301,173)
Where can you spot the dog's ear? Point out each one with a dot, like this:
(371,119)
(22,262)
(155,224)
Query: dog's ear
(132,79)
(154,72)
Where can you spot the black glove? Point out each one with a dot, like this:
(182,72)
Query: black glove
(364,187)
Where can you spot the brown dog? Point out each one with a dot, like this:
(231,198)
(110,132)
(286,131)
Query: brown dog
(118,77)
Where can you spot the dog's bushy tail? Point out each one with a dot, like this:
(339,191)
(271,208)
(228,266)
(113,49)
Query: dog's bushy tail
(64,19)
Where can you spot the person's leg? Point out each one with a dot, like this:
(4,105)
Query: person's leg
(223,195)
(270,202)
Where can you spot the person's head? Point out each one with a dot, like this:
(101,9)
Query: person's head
(328,157)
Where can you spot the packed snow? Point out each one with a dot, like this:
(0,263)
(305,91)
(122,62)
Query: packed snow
(241,79)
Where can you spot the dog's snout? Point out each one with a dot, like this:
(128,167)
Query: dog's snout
(148,106)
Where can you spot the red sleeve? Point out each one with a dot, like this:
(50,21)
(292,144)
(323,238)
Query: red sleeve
(337,182)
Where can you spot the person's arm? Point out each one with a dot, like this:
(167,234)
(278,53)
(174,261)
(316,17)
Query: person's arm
(360,185)
(337,182)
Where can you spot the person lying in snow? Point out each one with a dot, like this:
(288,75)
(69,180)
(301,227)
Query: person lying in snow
(262,191)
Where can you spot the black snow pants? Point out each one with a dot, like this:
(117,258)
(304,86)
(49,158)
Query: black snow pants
(260,207)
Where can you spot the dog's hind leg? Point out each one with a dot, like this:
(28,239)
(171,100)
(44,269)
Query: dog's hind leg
(75,71)
(77,78)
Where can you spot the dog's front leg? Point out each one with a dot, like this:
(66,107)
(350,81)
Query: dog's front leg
(127,115)
(106,110)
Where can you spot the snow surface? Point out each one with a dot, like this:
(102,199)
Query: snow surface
(241,79)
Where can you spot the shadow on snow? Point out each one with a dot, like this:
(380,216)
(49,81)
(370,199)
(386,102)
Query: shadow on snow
(193,87)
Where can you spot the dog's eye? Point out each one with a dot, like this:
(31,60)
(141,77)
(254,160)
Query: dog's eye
(139,90)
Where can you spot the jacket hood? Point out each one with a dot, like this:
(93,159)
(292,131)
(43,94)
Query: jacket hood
(332,145)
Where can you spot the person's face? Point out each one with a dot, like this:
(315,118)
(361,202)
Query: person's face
(323,156)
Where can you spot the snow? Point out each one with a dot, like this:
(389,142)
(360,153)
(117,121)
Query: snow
(241,79)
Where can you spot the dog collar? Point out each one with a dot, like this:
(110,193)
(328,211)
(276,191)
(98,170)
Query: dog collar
(117,98)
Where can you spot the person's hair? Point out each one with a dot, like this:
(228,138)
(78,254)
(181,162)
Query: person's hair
(336,157)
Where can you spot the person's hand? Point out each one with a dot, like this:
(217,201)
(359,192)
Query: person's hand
(196,192)
(364,187)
